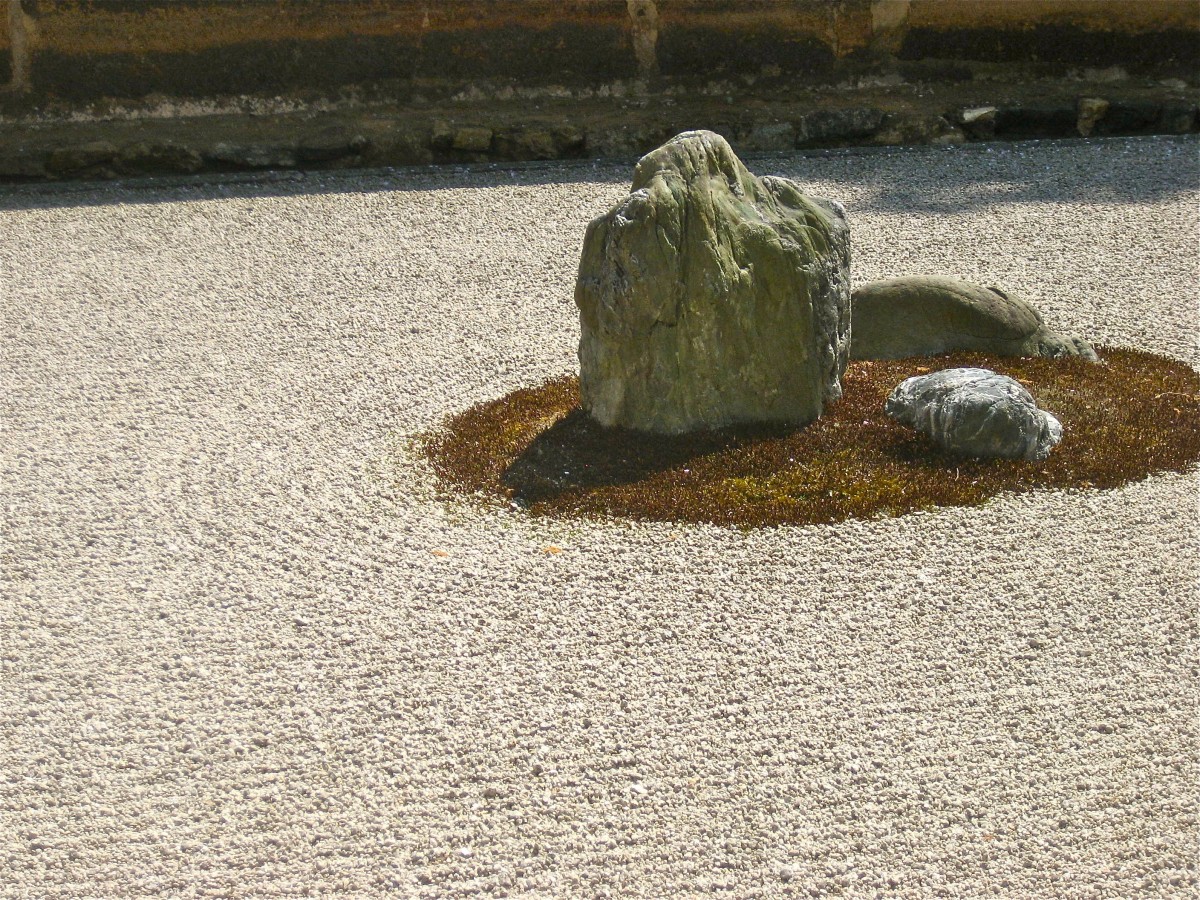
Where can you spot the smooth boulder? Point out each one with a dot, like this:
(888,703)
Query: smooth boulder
(710,297)
(975,412)
(925,315)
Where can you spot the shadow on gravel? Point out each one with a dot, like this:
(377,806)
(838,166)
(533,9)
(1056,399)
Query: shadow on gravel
(1104,170)
(252,185)
(1113,171)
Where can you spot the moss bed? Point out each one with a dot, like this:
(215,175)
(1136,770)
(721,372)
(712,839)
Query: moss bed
(1137,414)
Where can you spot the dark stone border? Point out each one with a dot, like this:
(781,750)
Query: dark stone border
(369,137)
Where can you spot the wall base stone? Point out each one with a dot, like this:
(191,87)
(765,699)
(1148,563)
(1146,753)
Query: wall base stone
(130,141)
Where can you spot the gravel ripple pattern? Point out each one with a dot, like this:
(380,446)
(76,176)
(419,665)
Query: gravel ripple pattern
(246,652)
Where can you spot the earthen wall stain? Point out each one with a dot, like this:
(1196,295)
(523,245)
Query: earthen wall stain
(81,28)
(843,27)
(204,47)
(82,49)
(1133,16)
(1176,51)
(95,27)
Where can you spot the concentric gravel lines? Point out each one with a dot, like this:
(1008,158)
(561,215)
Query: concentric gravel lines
(246,651)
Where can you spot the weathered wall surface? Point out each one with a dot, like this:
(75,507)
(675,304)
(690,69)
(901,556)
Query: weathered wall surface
(6,55)
(1144,35)
(82,50)
(129,48)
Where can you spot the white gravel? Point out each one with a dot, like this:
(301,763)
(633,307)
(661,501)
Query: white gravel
(231,663)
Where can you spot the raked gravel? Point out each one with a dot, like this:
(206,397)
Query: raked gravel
(245,652)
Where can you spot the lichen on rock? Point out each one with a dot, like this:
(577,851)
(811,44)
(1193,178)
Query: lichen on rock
(710,297)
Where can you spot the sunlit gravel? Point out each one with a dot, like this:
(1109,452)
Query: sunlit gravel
(246,652)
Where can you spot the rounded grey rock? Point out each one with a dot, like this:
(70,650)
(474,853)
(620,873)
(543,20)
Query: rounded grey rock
(976,412)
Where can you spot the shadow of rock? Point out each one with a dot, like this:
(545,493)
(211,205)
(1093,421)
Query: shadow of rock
(576,453)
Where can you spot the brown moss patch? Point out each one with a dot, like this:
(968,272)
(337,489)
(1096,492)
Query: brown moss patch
(1136,415)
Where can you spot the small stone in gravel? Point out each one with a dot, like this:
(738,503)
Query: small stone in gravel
(1091,111)
(979,122)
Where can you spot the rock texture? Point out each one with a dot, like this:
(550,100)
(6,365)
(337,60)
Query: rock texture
(710,297)
(975,412)
(925,315)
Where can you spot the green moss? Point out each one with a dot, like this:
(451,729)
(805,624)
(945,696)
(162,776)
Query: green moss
(1133,416)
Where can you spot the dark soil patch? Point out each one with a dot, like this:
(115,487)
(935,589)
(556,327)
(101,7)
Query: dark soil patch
(1136,415)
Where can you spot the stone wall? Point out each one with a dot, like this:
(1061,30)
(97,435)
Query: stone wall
(81,51)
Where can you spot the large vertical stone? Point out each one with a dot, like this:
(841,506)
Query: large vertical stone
(710,297)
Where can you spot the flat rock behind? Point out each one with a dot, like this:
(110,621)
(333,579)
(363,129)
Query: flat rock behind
(925,315)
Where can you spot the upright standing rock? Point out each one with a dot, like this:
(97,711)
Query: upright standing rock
(710,297)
